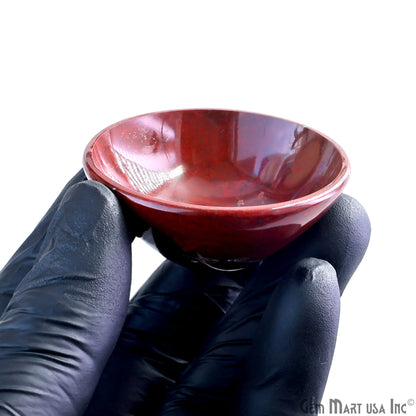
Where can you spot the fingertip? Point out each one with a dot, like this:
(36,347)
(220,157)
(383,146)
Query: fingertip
(313,269)
(306,296)
(90,192)
(93,195)
(318,281)
(356,213)
(359,217)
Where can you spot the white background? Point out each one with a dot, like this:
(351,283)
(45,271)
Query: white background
(69,69)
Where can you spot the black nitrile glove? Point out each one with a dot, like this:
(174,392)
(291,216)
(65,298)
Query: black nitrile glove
(256,342)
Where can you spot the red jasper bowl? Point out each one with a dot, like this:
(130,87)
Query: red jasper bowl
(224,187)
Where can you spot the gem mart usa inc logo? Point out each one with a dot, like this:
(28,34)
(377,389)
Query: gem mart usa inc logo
(338,407)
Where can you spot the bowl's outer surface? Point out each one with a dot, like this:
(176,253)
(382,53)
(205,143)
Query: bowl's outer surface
(223,185)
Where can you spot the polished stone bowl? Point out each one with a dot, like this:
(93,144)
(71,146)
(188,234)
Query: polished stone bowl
(222,187)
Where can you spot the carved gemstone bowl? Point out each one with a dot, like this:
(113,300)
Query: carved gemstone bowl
(222,187)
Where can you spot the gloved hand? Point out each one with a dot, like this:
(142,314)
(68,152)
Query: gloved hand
(193,342)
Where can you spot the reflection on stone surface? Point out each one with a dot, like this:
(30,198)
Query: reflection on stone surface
(145,180)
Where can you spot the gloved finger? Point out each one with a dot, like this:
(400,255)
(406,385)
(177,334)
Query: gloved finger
(64,318)
(22,261)
(167,323)
(212,376)
(288,365)
(340,237)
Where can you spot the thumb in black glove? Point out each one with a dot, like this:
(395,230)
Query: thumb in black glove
(65,296)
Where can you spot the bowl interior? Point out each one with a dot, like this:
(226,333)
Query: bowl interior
(216,158)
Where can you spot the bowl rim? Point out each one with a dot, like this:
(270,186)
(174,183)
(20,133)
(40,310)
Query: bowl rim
(334,187)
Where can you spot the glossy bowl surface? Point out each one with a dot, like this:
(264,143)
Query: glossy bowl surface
(224,187)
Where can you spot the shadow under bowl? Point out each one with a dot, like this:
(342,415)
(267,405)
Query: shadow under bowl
(220,187)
